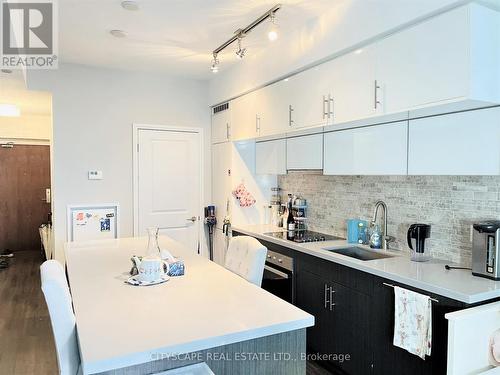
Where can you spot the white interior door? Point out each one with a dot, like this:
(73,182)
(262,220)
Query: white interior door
(169,184)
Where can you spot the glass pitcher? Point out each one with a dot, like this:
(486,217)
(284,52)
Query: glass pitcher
(153,249)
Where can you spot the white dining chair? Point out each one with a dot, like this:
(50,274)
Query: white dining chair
(246,257)
(58,298)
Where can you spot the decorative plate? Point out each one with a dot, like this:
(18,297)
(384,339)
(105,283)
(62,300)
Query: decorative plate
(133,280)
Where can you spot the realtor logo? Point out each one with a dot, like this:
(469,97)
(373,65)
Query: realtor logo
(28,35)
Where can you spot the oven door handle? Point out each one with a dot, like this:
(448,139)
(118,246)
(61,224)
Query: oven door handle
(276,272)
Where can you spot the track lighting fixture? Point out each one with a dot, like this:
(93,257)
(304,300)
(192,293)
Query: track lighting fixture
(272,34)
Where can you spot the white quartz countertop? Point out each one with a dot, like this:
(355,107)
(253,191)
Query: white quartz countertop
(430,276)
(121,325)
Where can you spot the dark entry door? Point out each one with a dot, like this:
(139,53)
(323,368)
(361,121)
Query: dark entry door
(24,176)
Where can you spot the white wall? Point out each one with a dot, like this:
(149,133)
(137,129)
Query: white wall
(347,24)
(26,127)
(93,113)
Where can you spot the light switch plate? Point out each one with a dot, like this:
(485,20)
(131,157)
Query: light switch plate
(95,175)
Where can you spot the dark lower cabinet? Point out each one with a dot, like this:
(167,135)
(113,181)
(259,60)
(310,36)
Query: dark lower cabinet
(342,323)
(389,359)
(311,296)
(352,327)
(354,314)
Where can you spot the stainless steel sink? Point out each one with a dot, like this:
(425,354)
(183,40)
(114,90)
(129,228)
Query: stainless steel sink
(360,253)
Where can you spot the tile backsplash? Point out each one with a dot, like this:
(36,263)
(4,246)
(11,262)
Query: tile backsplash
(449,203)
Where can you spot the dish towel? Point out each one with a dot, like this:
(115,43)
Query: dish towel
(412,322)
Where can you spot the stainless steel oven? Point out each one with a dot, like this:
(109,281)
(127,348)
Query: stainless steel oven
(278,276)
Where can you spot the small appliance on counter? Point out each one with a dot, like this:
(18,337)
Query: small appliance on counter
(417,235)
(485,251)
(357,231)
(299,212)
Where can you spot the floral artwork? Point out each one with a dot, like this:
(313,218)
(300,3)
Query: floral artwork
(243,195)
(412,322)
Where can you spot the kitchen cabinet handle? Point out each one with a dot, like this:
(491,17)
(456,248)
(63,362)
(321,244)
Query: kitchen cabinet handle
(330,106)
(257,124)
(332,292)
(325,102)
(290,110)
(326,295)
(228,134)
(376,101)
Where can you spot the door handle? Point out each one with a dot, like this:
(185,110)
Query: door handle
(332,292)
(325,103)
(330,106)
(326,295)
(376,101)
(257,124)
(192,219)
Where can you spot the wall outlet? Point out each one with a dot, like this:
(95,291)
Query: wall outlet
(95,175)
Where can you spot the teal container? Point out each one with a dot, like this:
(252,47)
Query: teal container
(356,230)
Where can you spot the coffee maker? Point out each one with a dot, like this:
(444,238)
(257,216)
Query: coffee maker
(417,235)
(485,249)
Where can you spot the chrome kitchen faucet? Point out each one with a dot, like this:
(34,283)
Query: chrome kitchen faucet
(386,237)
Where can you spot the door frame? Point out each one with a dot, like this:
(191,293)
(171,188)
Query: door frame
(135,151)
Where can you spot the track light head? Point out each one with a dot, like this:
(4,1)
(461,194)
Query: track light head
(272,33)
(240,52)
(215,64)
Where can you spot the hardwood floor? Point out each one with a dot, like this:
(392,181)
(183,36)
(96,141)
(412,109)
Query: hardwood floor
(312,368)
(26,342)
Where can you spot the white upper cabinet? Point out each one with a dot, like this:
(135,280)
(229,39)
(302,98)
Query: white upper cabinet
(465,143)
(310,98)
(221,123)
(244,117)
(353,84)
(444,64)
(270,157)
(450,59)
(272,109)
(372,150)
(304,152)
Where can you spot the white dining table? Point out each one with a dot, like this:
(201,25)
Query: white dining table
(120,325)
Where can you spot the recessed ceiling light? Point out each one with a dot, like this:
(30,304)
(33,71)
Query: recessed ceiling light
(6,71)
(130,5)
(358,51)
(9,110)
(118,33)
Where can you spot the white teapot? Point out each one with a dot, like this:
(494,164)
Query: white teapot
(150,269)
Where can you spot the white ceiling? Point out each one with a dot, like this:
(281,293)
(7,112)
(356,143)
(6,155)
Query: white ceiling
(175,36)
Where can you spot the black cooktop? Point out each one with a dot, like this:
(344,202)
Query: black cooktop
(302,236)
